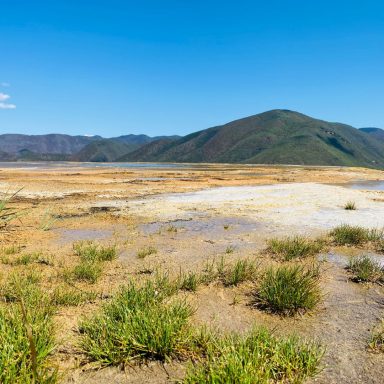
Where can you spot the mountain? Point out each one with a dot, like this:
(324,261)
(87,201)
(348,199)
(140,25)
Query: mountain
(104,150)
(52,143)
(377,133)
(273,137)
(57,147)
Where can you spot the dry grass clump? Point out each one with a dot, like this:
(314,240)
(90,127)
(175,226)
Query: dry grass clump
(289,289)
(364,269)
(295,247)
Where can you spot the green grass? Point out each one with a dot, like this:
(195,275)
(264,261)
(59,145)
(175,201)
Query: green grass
(8,214)
(237,273)
(146,251)
(140,323)
(350,206)
(26,335)
(346,234)
(189,281)
(289,289)
(294,247)
(89,251)
(11,249)
(88,272)
(364,269)
(66,296)
(259,357)
(376,342)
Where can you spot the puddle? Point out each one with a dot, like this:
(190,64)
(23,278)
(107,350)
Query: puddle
(72,235)
(367,185)
(215,227)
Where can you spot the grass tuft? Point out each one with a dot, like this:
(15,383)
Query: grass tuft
(288,290)
(259,357)
(294,247)
(350,206)
(66,296)
(146,251)
(365,269)
(139,323)
(346,234)
(92,252)
(26,335)
(239,272)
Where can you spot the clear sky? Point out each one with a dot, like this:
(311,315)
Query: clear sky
(177,66)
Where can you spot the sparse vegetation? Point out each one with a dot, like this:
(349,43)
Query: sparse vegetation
(146,251)
(364,269)
(229,249)
(259,357)
(350,206)
(295,247)
(139,323)
(289,289)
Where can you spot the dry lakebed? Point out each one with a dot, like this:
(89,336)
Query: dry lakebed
(195,224)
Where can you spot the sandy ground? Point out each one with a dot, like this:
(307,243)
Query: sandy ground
(191,215)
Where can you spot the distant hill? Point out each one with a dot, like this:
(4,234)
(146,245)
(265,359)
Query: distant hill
(273,137)
(51,143)
(103,151)
(377,133)
(57,147)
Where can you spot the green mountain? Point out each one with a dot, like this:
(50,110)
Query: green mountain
(103,151)
(377,133)
(273,137)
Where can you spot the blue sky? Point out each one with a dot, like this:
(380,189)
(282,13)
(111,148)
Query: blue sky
(173,67)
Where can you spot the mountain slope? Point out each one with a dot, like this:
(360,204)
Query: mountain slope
(278,136)
(377,133)
(52,143)
(103,151)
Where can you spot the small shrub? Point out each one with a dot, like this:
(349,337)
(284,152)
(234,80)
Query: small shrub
(346,234)
(294,247)
(259,357)
(172,228)
(146,251)
(289,289)
(350,206)
(138,324)
(365,269)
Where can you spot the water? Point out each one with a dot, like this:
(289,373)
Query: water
(60,164)
(368,185)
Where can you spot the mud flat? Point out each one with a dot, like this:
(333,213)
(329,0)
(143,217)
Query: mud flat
(191,216)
